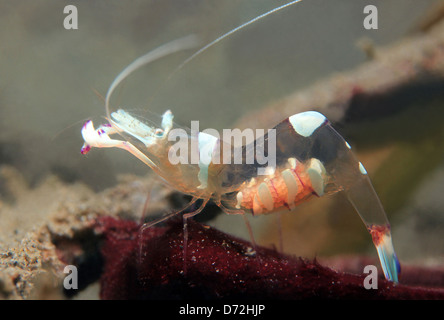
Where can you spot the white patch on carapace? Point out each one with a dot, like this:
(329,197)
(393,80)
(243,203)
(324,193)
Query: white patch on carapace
(167,121)
(292,186)
(292,162)
(316,172)
(239,198)
(139,130)
(265,196)
(362,169)
(207,143)
(347,145)
(130,125)
(306,123)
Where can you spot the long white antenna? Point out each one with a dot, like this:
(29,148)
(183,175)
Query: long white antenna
(187,42)
(212,43)
(177,45)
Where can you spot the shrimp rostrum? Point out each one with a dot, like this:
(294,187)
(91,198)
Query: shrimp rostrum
(311,159)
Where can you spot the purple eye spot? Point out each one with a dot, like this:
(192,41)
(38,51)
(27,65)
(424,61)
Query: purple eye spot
(85,149)
(85,124)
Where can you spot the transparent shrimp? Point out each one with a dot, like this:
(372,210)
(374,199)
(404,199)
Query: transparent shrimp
(312,160)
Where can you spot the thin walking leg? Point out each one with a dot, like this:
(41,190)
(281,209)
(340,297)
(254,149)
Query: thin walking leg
(250,232)
(186,216)
(247,223)
(159,220)
(145,205)
(279,225)
(253,242)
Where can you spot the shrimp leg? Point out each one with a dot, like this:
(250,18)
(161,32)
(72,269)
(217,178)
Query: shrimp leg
(241,212)
(186,216)
(147,225)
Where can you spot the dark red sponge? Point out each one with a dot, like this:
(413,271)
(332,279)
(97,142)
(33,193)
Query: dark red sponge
(150,265)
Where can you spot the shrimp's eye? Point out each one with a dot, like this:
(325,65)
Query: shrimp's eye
(159,132)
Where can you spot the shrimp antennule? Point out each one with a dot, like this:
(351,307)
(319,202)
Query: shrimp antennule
(160,52)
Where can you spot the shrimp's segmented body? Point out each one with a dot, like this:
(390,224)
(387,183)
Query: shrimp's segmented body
(288,186)
(312,160)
